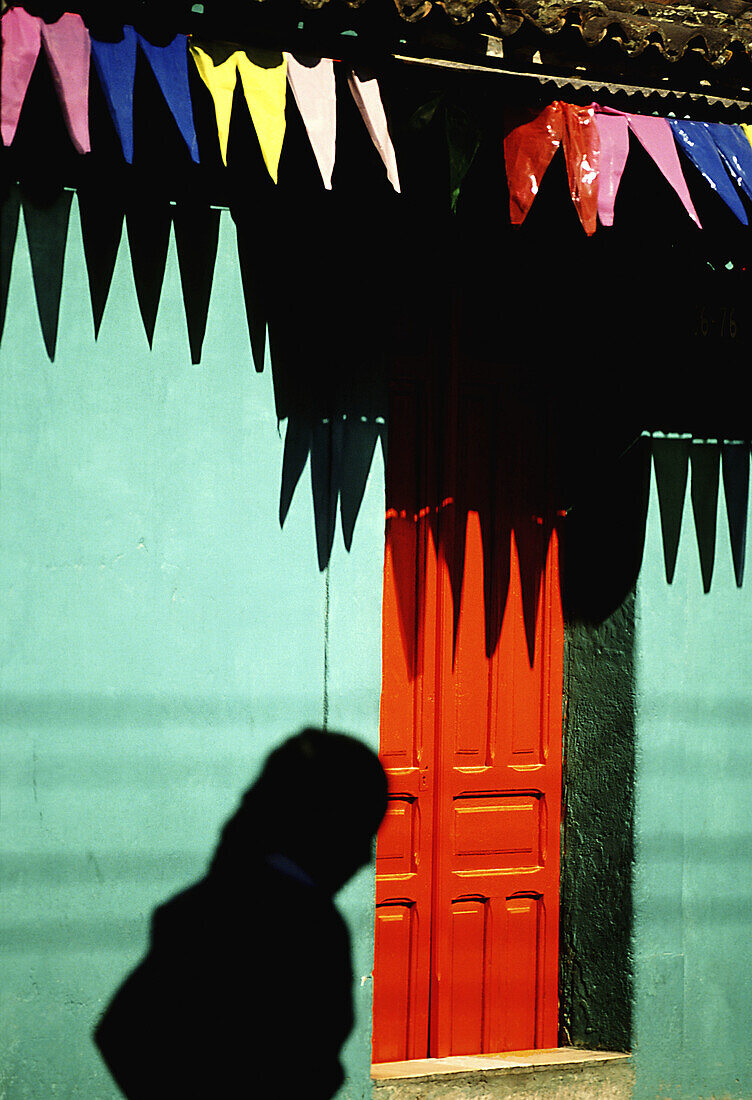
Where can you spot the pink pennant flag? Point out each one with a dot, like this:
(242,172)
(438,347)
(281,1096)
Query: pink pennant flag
(21,41)
(68,48)
(656,138)
(366,94)
(614,134)
(654,135)
(312,83)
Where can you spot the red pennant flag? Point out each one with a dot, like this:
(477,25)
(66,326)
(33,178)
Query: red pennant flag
(529,148)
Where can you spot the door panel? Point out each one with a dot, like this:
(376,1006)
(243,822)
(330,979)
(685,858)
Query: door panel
(404,853)
(497,822)
(468,858)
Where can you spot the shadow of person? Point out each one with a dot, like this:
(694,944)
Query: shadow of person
(246,986)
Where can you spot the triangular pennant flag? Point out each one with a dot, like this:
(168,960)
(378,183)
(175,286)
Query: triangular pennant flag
(115,63)
(170,66)
(463,142)
(217,66)
(47,234)
(731,142)
(21,35)
(148,225)
(365,91)
(696,143)
(196,238)
(326,467)
(671,465)
(614,135)
(582,153)
(705,470)
(264,77)
(358,451)
(9,209)
(68,48)
(747,130)
(654,134)
(529,148)
(101,229)
(735,457)
(313,87)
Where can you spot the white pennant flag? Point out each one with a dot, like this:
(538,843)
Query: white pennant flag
(366,94)
(312,83)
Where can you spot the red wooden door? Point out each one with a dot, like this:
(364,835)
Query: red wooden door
(468,858)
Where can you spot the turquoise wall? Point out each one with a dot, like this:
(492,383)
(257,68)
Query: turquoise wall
(160,634)
(693,825)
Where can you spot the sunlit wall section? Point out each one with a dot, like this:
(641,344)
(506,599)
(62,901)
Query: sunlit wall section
(160,634)
(693,874)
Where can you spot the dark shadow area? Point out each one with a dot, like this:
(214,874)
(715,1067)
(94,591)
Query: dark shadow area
(246,986)
(10,207)
(735,465)
(540,354)
(597,852)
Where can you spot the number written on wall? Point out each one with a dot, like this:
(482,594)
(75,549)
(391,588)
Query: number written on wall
(715,322)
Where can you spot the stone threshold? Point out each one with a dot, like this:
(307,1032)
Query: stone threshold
(506,1063)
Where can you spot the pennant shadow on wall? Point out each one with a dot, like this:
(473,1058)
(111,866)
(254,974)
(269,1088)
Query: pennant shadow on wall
(148,229)
(501,473)
(47,234)
(102,229)
(673,459)
(9,216)
(603,534)
(340,451)
(468,489)
(735,462)
(197,240)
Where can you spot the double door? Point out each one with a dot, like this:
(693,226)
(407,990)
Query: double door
(467,869)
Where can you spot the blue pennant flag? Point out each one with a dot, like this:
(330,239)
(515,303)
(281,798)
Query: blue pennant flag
(115,63)
(694,139)
(116,67)
(731,142)
(170,66)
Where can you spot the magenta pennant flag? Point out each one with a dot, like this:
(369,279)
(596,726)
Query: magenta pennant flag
(614,135)
(21,42)
(312,84)
(654,135)
(68,48)
(365,90)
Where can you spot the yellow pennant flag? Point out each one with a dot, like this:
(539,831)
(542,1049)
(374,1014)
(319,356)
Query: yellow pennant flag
(263,74)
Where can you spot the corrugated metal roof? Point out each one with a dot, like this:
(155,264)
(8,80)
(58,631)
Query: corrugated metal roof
(716,29)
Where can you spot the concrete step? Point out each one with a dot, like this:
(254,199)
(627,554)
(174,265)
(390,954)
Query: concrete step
(559,1074)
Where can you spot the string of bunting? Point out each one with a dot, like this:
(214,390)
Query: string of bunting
(594,139)
(595,142)
(264,75)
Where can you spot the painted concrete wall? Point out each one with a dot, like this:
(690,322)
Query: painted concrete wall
(160,634)
(595,973)
(693,824)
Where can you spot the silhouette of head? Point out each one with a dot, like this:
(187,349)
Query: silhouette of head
(319,801)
